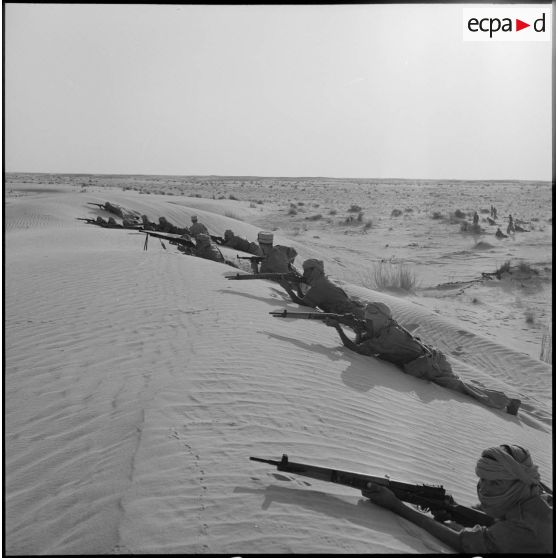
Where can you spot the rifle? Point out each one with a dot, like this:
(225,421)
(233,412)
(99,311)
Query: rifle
(101,205)
(273,276)
(428,498)
(105,224)
(347,319)
(171,238)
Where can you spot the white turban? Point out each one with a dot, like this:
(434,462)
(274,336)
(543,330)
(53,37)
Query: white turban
(514,465)
(497,463)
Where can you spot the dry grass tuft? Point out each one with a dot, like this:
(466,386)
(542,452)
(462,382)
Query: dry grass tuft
(386,276)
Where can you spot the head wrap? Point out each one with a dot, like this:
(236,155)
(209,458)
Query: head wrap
(497,464)
(194,218)
(313,264)
(228,233)
(376,310)
(265,237)
(508,463)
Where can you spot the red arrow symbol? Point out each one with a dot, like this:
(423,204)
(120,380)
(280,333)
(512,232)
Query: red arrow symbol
(519,25)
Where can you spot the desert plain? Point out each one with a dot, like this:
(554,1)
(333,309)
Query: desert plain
(138,382)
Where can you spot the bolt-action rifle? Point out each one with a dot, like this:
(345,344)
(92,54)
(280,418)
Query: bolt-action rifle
(347,319)
(105,224)
(293,277)
(433,499)
(171,238)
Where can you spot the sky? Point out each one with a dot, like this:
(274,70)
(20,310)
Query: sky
(370,91)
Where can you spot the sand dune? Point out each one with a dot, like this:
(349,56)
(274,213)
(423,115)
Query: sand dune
(138,383)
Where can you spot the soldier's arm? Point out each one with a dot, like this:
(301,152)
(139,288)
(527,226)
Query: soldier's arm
(299,300)
(384,497)
(358,348)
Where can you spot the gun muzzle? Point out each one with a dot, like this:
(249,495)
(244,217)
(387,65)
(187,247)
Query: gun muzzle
(284,460)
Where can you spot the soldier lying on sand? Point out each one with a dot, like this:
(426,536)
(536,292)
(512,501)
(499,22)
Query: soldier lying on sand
(384,338)
(239,243)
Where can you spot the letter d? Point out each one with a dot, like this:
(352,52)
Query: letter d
(537,21)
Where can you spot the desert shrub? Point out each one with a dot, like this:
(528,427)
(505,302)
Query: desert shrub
(409,210)
(504,268)
(333,212)
(354,208)
(259,202)
(388,276)
(470,228)
(453,220)
(396,213)
(300,203)
(316,217)
(367,225)
(360,216)
(524,267)
(530,316)
(231,197)
(459,214)
(315,205)
(292,211)
(437,215)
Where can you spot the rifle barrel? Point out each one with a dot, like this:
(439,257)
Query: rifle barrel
(268,461)
(305,315)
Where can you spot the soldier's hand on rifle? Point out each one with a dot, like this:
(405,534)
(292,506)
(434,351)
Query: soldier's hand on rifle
(382,496)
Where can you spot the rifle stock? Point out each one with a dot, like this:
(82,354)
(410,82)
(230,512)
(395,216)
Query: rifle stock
(427,498)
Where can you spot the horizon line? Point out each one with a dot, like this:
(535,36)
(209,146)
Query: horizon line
(257,177)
